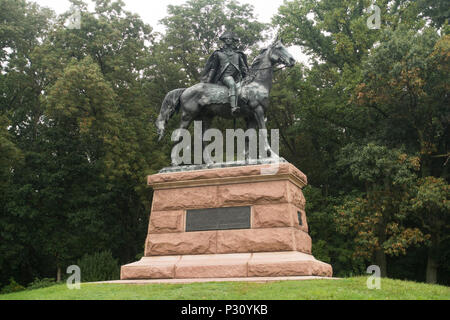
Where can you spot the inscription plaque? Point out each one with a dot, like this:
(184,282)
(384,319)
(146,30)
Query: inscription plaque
(218,219)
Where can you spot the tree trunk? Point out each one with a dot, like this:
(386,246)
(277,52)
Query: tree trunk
(380,259)
(432,263)
(432,267)
(58,274)
(380,255)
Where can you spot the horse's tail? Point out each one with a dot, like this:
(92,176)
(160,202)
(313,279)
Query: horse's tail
(170,105)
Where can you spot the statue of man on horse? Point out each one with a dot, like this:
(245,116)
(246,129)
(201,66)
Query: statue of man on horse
(227,81)
(227,66)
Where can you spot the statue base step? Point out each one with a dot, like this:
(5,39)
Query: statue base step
(205,280)
(240,265)
(248,162)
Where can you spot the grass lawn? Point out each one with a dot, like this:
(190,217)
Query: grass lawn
(343,289)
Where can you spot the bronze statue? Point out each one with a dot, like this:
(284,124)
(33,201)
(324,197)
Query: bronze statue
(204,101)
(227,66)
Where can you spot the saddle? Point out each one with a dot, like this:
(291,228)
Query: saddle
(222,97)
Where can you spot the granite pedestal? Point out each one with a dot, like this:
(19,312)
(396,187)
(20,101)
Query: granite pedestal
(236,222)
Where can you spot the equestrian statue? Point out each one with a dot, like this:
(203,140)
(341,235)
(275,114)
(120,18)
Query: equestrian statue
(229,89)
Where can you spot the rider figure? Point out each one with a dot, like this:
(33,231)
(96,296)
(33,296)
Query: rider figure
(227,66)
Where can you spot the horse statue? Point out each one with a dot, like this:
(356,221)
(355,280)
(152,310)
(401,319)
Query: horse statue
(204,101)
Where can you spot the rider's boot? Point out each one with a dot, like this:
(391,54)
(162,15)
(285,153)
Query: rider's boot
(234,107)
(229,82)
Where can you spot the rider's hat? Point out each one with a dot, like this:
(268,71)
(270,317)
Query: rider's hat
(229,35)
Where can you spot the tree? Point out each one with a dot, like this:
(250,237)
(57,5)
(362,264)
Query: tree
(437,11)
(81,146)
(328,245)
(118,43)
(336,32)
(86,141)
(10,153)
(405,93)
(404,90)
(432,204)
(377,218)
(21,26)
(10,156)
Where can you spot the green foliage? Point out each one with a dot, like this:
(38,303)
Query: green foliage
(99,266)
(13,286)
(10,154)
(20,24)
(432,207)
(377,219)
(336,32)
(41,283)
(438,11)
(82,128)
(372,164)
(432,196)
(328,245)
(404,92)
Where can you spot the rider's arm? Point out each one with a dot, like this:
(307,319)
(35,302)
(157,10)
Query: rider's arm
(214,66)
(243,66)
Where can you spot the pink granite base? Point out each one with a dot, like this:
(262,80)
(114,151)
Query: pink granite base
(240,265)
(228,241)
(276,245)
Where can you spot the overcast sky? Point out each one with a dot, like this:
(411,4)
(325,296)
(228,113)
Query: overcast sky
(151,11)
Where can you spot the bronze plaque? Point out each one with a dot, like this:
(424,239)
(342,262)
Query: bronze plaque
(218,219)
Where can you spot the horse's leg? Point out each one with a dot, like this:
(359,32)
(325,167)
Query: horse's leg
(260,119)
(251,124)
(206,125)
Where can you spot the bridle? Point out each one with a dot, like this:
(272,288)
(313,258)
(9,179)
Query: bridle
(271,67)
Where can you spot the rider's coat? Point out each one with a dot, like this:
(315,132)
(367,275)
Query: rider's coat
(224,63)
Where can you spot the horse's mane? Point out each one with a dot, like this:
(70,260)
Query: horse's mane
(258,60)
(255,66)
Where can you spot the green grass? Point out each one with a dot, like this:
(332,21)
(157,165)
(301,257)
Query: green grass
(343,289)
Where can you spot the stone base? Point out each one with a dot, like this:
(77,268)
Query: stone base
(241,265)
(275,243)
(228,241)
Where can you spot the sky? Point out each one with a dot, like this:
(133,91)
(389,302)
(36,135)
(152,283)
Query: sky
(151,11)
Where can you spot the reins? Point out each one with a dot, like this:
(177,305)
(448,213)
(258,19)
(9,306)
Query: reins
(253,73)
(275,69)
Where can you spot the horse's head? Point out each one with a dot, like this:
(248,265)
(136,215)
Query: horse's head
(280,55)
(269,58)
